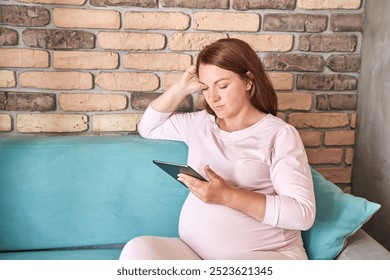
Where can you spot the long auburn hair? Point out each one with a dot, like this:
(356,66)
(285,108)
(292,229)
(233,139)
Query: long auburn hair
(237,56)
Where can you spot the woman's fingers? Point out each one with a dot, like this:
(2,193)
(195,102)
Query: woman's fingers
(189,81)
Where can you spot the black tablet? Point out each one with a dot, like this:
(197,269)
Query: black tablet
(174,169)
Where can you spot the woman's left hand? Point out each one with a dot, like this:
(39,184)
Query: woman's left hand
(215,191)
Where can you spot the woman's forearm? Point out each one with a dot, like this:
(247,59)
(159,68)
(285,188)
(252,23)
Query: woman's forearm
(250,203)
(170,100)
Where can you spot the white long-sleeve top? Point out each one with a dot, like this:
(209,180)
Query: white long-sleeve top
(267,157)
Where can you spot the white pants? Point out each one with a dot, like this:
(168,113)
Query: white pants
(164,248)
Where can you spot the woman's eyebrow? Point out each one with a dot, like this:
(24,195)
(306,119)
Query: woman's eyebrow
(217,81)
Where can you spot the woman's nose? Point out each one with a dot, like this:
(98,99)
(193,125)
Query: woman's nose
(213,95)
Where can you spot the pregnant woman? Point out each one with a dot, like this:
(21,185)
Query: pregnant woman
(259,194)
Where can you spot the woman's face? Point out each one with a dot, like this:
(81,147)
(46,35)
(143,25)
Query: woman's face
(225,91)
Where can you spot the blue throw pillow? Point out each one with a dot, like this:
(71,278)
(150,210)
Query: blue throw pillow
(339,215)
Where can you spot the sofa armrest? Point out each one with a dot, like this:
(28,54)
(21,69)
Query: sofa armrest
(362,246)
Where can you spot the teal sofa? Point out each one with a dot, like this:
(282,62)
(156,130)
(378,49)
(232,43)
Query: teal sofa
(84,197)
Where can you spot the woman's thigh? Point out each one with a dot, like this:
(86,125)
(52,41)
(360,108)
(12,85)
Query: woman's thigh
(294,254)
(157,248)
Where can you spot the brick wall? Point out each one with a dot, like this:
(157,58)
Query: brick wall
(91,67)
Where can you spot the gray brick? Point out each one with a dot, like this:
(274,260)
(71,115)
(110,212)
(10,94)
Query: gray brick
(196,4)
(8,37)
(337,102)
(295,22)
(294,62)
(326,82)
(347,23)
(17,15)
(140,101)
(263,4)
(20,101)
(327,43)
(125,3)
(58,39)
(344,63)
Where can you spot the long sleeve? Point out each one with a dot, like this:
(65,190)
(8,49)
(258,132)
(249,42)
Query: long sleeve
(158,125)
(293,206)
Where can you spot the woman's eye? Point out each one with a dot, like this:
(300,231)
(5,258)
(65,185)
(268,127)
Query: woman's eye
(223,86)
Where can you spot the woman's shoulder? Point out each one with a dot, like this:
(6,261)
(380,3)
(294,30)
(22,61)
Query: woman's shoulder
(275,125)
(274,122)
(191,119)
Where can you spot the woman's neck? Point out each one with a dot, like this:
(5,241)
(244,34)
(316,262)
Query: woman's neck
(241,121)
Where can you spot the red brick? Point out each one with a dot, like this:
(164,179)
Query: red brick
(324,155)
(336,174)
(310,138)
(339,137)
(298,101)
(318,120)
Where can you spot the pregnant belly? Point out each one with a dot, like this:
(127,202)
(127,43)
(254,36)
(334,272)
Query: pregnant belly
(215,231)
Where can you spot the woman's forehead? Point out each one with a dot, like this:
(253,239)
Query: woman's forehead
(213,73)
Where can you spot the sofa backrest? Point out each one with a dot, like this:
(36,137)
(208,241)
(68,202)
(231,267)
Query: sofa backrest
(78,191)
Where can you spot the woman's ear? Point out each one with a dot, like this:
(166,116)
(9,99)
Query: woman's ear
(249,82)
(249,74)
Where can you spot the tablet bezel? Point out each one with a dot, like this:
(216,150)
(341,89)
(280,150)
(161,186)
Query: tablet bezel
(173,169)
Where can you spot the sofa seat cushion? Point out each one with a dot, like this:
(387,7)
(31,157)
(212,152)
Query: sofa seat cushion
(84,254)
(361,246)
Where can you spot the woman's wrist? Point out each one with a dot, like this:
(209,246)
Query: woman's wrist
(179,91)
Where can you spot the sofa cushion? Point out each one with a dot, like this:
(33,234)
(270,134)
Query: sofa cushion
(72,191)
(338,216)
(84,254)
(361,246)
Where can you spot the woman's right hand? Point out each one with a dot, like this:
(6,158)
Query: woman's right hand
(189,82)
(170,100)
